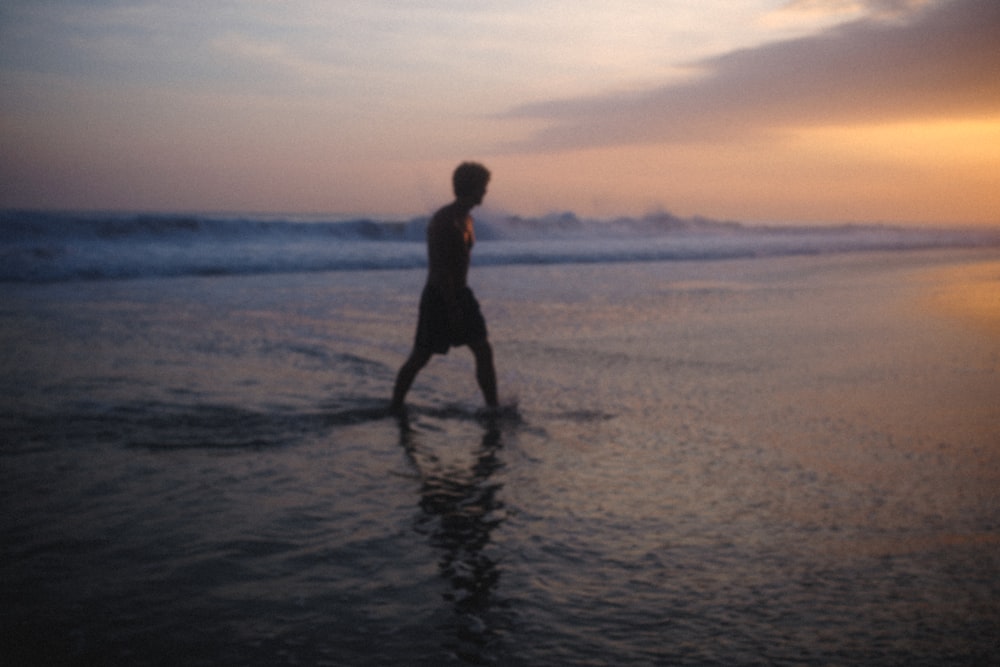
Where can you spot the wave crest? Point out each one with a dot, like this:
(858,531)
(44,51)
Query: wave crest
(56,247)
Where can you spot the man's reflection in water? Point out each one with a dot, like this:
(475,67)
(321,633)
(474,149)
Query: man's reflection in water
(460,509)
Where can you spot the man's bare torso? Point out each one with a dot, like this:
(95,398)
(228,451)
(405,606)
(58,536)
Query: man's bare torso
(450,236)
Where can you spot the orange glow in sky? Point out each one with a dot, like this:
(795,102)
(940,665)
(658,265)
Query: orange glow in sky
(766,110)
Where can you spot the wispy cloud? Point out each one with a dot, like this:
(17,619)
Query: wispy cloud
(277,60)
(904,61)
(883,9)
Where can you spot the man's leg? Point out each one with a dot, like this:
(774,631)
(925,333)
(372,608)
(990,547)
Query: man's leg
(485,374)
(407,373)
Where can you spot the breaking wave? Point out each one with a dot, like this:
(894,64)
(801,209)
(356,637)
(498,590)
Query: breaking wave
(57,247)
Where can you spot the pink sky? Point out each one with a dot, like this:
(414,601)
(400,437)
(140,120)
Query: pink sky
(774,111)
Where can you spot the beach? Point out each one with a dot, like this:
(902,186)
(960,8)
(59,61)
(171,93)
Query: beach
(787,460)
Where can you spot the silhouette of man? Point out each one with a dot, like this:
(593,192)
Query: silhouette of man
(449,313)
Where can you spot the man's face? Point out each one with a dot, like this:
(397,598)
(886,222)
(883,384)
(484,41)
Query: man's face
(480,195)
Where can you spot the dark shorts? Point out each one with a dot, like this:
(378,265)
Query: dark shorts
(435,332)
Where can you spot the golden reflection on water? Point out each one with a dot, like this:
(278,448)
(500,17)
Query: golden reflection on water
(971,293)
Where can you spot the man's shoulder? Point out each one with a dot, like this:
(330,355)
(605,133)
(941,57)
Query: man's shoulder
(448,218)
(447,213)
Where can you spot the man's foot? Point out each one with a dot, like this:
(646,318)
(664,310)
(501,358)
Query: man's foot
(506,410)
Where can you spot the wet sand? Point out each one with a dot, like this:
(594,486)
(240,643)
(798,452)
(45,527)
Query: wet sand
(774,461)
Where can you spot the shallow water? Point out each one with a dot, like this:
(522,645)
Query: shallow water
(782,461)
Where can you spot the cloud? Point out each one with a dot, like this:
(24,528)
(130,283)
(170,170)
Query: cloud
(875,8)
(275,61)
(904,62)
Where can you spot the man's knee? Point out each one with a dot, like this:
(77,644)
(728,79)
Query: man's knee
(482,349)
(418,359)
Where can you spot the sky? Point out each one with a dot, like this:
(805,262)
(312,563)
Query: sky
(766,111)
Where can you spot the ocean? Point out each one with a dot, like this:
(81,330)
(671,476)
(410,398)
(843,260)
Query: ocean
(719,445)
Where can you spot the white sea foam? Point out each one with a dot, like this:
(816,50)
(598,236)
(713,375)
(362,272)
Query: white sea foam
(54,247)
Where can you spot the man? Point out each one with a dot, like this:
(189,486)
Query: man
(449,313)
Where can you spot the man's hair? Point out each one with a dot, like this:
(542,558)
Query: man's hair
(469,178)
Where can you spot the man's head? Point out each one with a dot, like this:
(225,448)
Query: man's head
(469,181)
